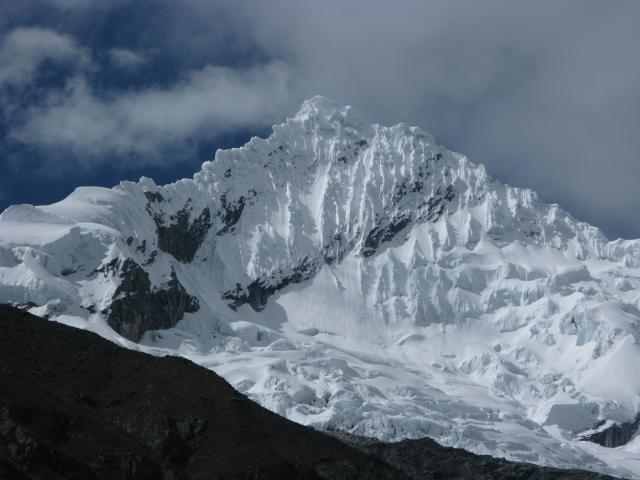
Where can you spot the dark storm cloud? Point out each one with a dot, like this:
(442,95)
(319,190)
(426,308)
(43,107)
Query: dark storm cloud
(546,94)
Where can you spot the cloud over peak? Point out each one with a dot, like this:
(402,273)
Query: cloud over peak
(544,93)
(208,101)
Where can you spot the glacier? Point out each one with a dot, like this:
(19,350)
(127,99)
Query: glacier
(357,277)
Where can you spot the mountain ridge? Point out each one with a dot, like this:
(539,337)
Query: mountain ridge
(357,277)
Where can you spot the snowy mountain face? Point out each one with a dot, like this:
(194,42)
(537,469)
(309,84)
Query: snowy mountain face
(358,277)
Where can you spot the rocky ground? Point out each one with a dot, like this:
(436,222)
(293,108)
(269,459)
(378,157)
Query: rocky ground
(75,406)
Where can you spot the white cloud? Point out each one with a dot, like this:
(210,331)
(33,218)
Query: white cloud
(207,102)
(24,49)
(126,58)
(545,93)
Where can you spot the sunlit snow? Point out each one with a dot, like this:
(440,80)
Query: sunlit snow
(495,322)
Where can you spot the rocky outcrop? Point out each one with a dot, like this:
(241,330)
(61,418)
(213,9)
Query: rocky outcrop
(229,213)
(258,292)
(173,439)
(180,235)
(37,440)
(386,229)
(424,458)
(436,204)
(383,233)
(137,306)
(615,435)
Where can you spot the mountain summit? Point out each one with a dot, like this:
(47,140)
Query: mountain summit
(358,277)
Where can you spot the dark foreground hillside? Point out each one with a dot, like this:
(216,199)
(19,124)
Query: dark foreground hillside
(75,406)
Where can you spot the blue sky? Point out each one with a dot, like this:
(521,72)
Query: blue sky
(545,93)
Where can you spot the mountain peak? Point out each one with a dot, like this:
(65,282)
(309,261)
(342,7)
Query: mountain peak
(334,236)
(323,111)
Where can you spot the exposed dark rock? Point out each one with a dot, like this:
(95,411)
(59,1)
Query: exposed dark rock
(87,399)
(142,248)
(417,186)
(154,197)
(412,183)
(425,459)
(152,257)
(616,435)
(360,144)
(399,191)
(435,207)
(173,440)
(22,446)
(383,233)
(335,250)
(258,292)
(436,203)
(165,418)
(25,305)
(138,307)
(229,213)
(351,151)
(109,268)
(449,195)
(180,236)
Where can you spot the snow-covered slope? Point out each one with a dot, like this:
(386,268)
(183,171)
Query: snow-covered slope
(357,277)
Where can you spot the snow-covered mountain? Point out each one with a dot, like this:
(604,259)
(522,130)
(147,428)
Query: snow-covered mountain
(358,277)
